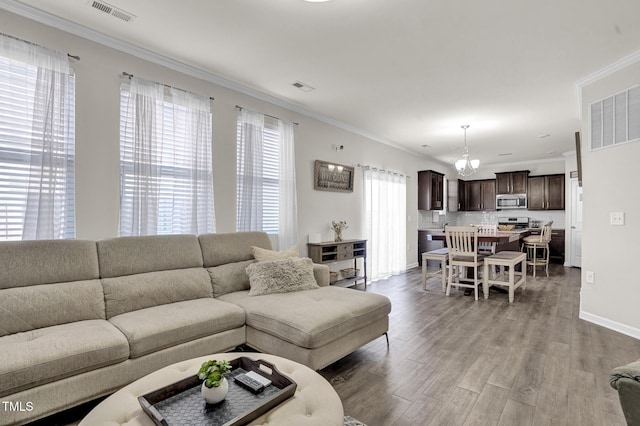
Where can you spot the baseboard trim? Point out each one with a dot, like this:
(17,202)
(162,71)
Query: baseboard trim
(411,266)
(610,324)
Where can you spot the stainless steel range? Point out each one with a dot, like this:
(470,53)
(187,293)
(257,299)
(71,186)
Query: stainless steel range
(517,222)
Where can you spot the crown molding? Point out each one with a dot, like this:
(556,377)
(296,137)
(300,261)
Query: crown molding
(527,162)
(604,72)
(74,28)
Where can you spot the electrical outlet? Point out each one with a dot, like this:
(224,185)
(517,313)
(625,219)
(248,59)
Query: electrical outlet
(616,218)
(590,277)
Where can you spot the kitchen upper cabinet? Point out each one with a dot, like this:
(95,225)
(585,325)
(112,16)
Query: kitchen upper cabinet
(430,190)
(462,195)
(512,182)
(546,192)
(480,195)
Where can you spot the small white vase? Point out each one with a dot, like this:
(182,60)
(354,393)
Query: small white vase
(215,394)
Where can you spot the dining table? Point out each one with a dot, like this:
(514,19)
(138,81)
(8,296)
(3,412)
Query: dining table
(504,240)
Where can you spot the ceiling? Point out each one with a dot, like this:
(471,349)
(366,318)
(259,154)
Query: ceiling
(408,72)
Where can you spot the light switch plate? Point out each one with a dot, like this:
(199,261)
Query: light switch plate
(616,218)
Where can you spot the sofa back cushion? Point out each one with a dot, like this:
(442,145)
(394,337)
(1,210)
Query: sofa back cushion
(218,249)
(132,292)
(29,308)
(229,277)
(48,282)
(137,255)
(141,272)
(27,263)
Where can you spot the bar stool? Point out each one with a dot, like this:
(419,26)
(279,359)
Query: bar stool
(504,259)
(533,244)
(441,256)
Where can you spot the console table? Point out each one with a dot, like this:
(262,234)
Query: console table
(338,251)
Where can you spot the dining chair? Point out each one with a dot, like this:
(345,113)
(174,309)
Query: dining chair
(462,242)
(487,248)
(533,244)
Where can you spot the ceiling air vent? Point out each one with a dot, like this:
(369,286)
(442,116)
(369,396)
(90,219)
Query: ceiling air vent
(302,86)
(112,10)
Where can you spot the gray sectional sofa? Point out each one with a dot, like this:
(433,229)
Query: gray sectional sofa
(80,319)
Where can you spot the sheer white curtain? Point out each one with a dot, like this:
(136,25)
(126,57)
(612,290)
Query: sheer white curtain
(165,159)
(288,217)
(39,129)
(266,181)
(250,171)
(385,222)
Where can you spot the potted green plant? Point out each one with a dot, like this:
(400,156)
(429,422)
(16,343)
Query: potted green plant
(214,386)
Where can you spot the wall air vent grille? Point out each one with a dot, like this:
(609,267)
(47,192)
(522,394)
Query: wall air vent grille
(616,119)
(112,10)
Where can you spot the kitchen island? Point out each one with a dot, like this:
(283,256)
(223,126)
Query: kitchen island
(505,240)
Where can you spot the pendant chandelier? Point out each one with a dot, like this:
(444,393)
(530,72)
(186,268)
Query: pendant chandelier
(465,166)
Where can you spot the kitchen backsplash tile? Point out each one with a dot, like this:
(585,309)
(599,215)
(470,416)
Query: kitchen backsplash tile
(426,218)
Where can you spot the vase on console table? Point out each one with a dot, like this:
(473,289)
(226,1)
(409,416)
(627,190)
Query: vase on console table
(338,227)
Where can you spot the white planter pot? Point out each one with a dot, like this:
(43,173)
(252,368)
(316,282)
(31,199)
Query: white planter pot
(215,394)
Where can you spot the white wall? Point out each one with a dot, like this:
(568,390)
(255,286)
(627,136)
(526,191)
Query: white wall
(610,179)
(98,79)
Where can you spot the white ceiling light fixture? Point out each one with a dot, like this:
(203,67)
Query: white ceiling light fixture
(465,166)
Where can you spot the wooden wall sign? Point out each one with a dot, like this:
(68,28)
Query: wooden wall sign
(332,177)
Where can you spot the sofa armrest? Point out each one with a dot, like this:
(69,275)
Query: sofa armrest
(626,380)
(321,274)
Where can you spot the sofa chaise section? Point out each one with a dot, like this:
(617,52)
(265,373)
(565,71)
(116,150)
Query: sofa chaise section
(313,327)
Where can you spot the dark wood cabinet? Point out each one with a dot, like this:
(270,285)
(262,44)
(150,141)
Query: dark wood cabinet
(479,195)
(430,190)
(423,241)
(546,192)
(512,182)
(462,195)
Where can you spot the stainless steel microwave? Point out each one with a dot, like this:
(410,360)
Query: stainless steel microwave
(511,201)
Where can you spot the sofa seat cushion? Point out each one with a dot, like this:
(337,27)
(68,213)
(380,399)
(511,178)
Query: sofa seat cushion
(49,354)
(311,318)
(159,327)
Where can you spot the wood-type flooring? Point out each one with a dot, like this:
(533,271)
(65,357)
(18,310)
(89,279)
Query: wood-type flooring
(454,361)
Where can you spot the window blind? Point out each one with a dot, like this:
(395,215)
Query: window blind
(37,154)
(263,172)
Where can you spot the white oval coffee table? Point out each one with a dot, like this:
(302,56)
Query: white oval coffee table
(314,403)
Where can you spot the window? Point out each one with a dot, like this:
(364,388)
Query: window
(266,187)
(259,181)
(166,182)
(37,154)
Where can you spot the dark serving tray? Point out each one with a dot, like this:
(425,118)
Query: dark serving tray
(180,403)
